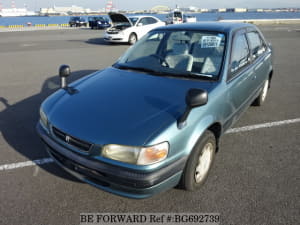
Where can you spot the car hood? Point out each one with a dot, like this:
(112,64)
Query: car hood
(119,107)
(118,18)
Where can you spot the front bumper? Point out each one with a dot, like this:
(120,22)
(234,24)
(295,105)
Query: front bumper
(115,38)
(118,180)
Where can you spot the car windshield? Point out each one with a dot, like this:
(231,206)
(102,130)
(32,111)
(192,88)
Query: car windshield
(97,19)
(177,53)
(101,19)
(133,20)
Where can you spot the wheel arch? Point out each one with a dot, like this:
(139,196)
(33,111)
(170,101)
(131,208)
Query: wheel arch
(207,123)
(270,77)
(133,32)
(216,129)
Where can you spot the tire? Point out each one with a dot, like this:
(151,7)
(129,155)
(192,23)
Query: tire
(259,101)
(132,39)
(199,162)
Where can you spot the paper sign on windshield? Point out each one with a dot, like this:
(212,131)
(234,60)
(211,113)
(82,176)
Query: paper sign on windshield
(210,41)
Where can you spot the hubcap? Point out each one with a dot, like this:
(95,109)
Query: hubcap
(132,39)
(265,90)
(204,162)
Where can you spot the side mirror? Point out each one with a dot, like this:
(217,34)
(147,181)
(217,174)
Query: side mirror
(194,98)
(64,72)
(140,24)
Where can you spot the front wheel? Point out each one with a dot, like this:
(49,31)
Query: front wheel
(199,162)
(263,94)
(132,39)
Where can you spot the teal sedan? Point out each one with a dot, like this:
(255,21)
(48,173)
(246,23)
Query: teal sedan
(153,120)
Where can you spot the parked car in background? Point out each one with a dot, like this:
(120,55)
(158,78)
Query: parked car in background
(130,29)
(189,19)
(175,17)
(155,118)
(77,21)
(98,22)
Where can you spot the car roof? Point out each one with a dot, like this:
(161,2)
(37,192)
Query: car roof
(224,27)
(142,16)
(138,16)
(135,16)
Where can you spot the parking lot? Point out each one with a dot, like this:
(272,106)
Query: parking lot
(254,180)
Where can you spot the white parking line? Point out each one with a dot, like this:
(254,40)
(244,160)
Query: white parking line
(262,125)
(24,164)
(230,131)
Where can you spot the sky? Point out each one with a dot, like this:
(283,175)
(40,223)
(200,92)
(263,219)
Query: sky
(146,4)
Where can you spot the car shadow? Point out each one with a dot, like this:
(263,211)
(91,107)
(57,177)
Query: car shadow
(100,41)
(18,122)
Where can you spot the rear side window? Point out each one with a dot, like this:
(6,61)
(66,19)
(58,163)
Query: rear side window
(151,20)
(147,21)
(240,55)
(257,45)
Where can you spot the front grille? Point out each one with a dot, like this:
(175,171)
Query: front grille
(81,145)
(90,174)
(112,32)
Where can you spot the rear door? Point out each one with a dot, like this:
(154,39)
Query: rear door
(239,79)
(259,53)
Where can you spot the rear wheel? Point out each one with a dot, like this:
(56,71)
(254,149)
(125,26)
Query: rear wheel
(199,162)
(263,94)
(132,39)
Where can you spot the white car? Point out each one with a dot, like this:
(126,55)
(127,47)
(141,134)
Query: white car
(130,29)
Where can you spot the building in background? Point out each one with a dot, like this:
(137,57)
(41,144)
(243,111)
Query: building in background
(222,10)
(64,10)
(160,9)
(240,10)
(14,11)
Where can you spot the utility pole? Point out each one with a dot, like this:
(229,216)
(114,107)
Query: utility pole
(109,6)
(13,4)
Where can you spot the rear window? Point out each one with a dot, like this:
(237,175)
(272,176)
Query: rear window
(178,14)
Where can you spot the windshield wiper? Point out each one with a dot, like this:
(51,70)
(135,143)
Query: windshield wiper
(199,76)
(145,70)
(203,76)
(188,75)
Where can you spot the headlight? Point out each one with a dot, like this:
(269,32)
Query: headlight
(43,118)
(136,155)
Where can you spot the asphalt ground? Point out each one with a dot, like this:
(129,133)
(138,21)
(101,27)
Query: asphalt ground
(254,180)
